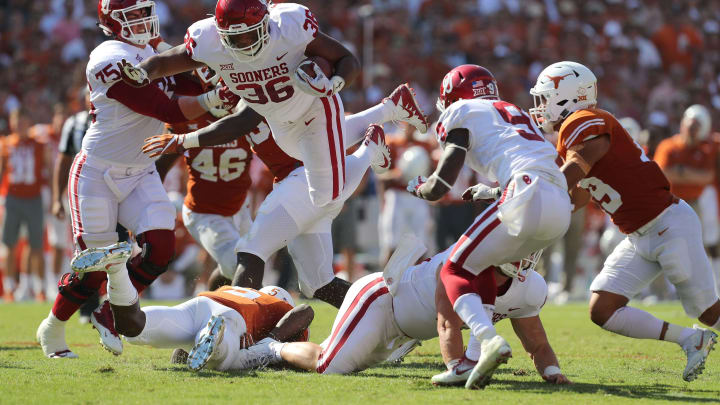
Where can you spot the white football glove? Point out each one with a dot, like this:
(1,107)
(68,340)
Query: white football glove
(480,192)
(414,185)
(320,86)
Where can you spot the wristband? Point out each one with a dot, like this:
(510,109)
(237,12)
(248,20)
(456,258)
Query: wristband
(551,370)
(191,140)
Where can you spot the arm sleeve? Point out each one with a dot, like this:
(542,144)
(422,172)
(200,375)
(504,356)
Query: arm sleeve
(186,86)
(66,146)
(582,126)
(149,101)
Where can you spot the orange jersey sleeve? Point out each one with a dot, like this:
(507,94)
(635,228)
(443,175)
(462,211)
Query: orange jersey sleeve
(260,311)
(581,126)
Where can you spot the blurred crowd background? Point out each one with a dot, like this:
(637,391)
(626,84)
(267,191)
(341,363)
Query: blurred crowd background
(653,58)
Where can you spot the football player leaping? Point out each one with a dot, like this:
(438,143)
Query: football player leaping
(256,49)
(111,180)
(501,143)
(378,318)
(214,326)
(664,235)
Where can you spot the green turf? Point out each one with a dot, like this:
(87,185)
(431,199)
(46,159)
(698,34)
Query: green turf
(606,368)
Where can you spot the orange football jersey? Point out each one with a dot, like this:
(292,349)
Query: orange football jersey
(674,151)
(629,186)
(260,311)
(24,164)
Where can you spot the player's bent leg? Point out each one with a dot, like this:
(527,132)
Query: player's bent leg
(604,304)
(217,280)
(217,234)
(333,292)
(312,254)
(250,271)
(158,249)
(208,350)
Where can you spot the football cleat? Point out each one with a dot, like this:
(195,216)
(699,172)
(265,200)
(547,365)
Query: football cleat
(179,356)
(257,356)
(103,321)
(380,163)
(494,352)
(697,347)
(106,258)
(457,374)
(206,352)
(52,341)
(399,354)
(407,108)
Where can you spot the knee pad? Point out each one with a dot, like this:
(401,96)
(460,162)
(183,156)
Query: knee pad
(78,288)
(158,249)
(459,282)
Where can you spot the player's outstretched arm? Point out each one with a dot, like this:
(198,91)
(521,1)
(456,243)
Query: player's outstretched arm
(219,132)
(451,163)
(173,61)
(531,333)
(345,64)
(582,157)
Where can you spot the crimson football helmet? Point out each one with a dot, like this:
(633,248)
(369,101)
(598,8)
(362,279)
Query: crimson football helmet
(243,27)
(466,82)
(118,18)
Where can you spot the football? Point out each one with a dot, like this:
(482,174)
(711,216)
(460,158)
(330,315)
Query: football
(323,63)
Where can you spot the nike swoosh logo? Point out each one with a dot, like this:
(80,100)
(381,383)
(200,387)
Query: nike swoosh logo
(700,346)
(316,89)
(512,309)
(281,56)
(309,121)
(386,163)
(663,231)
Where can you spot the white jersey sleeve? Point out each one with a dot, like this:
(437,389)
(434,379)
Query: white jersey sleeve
(453,117)
(202,40)
(102,70)
(298,25)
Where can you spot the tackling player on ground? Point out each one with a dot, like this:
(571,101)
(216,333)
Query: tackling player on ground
(664,236)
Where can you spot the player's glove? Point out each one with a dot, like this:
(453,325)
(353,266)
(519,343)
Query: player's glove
(481,192)
(320,85)
(414,185)
(218,98)
(133,75)
(168,144)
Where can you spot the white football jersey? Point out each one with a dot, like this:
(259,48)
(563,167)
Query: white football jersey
(503,139)
(264,83)
(414,301)
(117,133)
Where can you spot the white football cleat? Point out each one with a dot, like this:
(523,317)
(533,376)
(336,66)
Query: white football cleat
(407,108)
(259,355)
(103,320)
(52,341)
(494,352)
(697,347)
(380,163)
(206,351)
(106,258)
(457,373)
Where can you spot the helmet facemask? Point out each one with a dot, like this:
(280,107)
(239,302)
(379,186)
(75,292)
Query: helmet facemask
(232,39)
(524,266)
(149,21)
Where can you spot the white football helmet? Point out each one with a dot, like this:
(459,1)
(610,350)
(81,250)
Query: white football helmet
(414,162)
(278,292)
(700,114)
(562,88)
(523,266)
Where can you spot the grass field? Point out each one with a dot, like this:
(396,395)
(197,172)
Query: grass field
(605,368)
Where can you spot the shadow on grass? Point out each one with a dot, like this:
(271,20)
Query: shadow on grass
(13,366)
(4,348)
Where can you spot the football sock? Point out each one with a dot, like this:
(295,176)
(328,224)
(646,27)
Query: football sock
(636,323)
(357,123)
(8,284)
(120,289)
(473,349)
(474,313)
(55,321)
(276,349)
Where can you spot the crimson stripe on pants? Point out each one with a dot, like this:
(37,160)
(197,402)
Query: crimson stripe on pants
(349,311)
(331,142)
(340,134)
(489,228)
(485,215)
(73,194)
(326,363)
